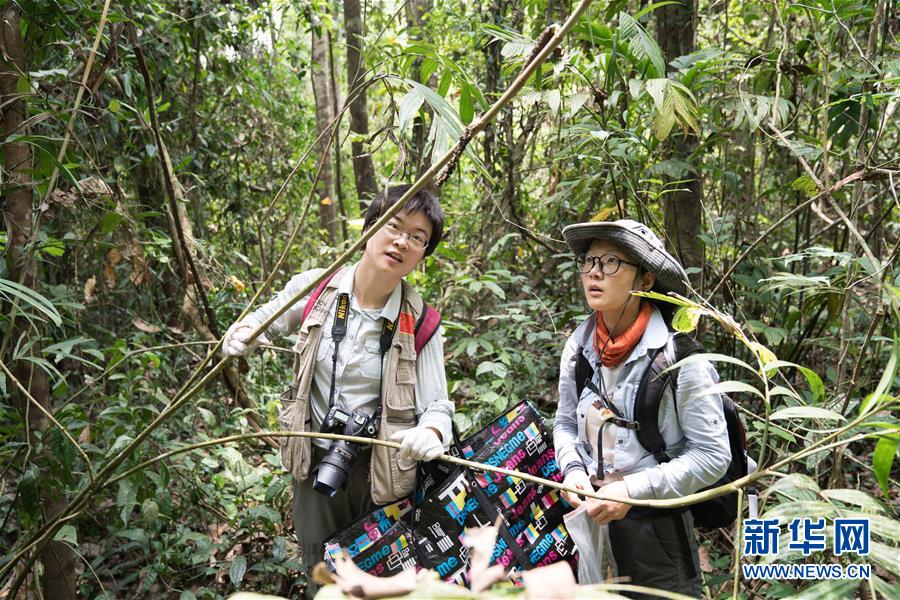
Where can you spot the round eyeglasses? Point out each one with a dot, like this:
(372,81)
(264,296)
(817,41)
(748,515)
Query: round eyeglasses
(609,264)
(415,240)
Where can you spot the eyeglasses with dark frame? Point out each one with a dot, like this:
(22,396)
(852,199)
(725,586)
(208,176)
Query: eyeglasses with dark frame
(416,240)
(609,264)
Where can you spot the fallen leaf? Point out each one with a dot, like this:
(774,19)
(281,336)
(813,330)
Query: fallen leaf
(66,199)
(236,283)
(89,286)
(94,186)
(144,325)
(705,563)
(113,257)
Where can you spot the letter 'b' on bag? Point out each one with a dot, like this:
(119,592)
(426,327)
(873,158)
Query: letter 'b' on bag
(449,499)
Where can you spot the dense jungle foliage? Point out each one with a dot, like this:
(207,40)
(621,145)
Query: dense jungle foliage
(166,161)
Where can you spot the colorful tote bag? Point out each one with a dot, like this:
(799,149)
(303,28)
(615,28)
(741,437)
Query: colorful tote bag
(450,498)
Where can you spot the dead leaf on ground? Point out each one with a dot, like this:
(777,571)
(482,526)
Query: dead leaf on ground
(113,257)
(66,199)
(705,563)
(144,325)
(94,186)
(89,286)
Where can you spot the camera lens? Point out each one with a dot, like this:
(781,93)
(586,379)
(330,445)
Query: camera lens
(335,467)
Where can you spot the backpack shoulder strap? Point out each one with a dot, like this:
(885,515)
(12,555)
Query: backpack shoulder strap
(650,391)
(584,372)
(426,326)
(311,301)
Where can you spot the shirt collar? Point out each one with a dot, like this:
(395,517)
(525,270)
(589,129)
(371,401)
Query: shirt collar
(655,336)
(391,309)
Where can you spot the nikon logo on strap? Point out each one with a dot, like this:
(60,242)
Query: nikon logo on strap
(343,306)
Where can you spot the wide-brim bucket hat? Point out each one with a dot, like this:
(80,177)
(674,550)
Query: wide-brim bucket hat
(641,244)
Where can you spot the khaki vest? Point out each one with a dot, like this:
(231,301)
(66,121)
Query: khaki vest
(389,482)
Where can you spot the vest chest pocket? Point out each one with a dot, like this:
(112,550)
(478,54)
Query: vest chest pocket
(406,369)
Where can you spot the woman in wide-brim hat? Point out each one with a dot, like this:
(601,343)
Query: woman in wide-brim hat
(594,429)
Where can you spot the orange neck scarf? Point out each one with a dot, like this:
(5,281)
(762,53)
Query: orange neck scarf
(616,350)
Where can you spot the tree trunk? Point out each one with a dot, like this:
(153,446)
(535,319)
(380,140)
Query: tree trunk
(675,30)
(363,168)
(321,75)
(58,559)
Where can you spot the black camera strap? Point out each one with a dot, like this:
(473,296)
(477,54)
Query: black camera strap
(339,332)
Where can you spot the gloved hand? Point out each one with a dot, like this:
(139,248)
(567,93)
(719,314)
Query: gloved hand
(579,480)
(235,341)
(418,443)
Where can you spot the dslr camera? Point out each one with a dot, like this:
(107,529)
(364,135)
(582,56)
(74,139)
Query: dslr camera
(335,467)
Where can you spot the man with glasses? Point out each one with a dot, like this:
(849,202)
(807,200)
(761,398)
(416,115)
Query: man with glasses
(356,354)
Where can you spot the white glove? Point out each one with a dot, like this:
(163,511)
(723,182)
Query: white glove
(235,342)
(418,443)
(579,480)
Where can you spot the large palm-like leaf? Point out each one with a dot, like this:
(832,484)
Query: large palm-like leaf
(674,103)
(641,44)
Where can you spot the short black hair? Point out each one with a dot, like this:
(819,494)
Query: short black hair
(423,201)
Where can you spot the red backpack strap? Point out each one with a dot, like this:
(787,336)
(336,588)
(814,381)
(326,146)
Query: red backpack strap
(426,326)
(315,295)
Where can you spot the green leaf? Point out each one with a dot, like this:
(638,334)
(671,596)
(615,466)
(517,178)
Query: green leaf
(53,247)
(665,298)
(113,106)
(806,185)
(68,534)
(779,390)
(641,44)
(653,7)
(855,497)
(829,590)
(806,412)
(466,108)
(23,86)
(882,460)
(804,508)
(238,569)
(135,535)
(674,103)
(885,556)
(686,318)
(883,384)
(11,289)
(812,378)
(444,83)
(553,100)
(730,387)
(126,498)
(711,357)
(409,106)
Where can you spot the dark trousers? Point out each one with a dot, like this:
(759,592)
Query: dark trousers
(316,516)
(657,551)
